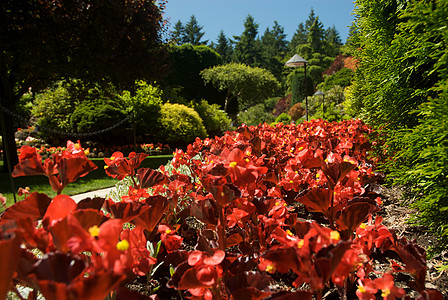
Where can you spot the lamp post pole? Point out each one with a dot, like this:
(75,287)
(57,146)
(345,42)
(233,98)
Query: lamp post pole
(298,61)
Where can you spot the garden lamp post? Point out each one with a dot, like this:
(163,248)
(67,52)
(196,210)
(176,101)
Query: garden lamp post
(298,61)
(319,92)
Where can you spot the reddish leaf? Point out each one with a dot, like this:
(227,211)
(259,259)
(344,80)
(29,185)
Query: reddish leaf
(151,217)
(317,199)
(71,168)
(353,215)
(95,203)
(249,293)
(9,259)
(337,171)
(34,207)
(234,240)
(148,177)
(328,258)
(205,211)
(302,295)
(58,267)
(414,258)
(127,211)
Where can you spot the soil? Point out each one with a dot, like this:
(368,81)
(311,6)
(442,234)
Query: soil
(395,213)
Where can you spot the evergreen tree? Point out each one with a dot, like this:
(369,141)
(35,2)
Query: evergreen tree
(273,49)
(316,35)
(247,49)
(311,19)
(299,38)
(224,47)
(333,41)
(178,34)
(193,32)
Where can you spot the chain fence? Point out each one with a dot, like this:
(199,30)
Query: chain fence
(74,134)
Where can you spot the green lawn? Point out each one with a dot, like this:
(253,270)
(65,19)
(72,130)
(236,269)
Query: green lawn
(95,180)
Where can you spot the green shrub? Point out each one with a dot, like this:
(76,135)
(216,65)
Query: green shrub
(216,121)
(341,78)
(99,114)
(145,103)
(283,118)
(180,125)
(422,163)
(255,115)
(52,109)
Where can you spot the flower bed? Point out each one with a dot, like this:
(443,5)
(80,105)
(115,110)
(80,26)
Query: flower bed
(235,217)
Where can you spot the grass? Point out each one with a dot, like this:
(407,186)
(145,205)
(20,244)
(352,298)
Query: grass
(95,180)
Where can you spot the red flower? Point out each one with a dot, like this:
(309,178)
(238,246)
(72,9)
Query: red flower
(69,165)
(117,166)
(170,240)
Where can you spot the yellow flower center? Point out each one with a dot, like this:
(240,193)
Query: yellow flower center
(232,164)
(291,181)
(168,231)
(300,148)
(300,243)
(77,146)
(334,235)
(112,158)
(86,152)
(385,293)
(270,269)
(362,289)
(122,245)
(363,226)
(94,231)
(288,232)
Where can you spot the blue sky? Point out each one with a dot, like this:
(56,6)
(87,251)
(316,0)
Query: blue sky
(229,15)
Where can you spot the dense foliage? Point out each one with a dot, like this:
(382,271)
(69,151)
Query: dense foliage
(259,204)
(400,87)
(42,41)
(246,84)
(180,125)
(216,121)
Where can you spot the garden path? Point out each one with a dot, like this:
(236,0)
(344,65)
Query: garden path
(92,194)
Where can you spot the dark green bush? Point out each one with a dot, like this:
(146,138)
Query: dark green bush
(96,115)
(180,125)
(216,121)
(341,78)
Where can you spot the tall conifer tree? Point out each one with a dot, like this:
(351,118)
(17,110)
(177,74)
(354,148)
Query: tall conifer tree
(247,49)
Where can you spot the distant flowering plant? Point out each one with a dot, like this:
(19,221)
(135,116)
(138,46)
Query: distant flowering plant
(234,214)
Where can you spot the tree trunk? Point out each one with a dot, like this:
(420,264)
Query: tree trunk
(7,100)
(8,139)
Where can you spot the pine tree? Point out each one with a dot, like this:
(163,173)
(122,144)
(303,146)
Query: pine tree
(247,49)
(299,38)
(224,47)
(333,41)
(178,33)
(193,32)
(273,49)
